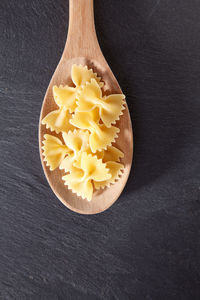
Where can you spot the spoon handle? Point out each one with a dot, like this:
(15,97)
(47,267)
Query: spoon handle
(81,38)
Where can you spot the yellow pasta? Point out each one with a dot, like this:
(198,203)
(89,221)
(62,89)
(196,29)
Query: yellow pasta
(88,169)
(110,107)
(53,151)
(112,154)
(58,120)
(66,96)
(84,121)
(81,75)
(78,142)
(115,169)
(101,136)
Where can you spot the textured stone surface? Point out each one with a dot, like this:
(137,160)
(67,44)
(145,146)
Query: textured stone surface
(147,245)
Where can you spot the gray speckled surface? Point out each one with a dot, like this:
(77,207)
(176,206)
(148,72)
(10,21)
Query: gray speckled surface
(147,245)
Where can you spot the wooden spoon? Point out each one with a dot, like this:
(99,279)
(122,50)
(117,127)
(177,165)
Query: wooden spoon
(82,48)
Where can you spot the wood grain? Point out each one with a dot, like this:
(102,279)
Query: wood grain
(83,48)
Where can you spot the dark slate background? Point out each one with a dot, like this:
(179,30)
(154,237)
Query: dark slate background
(147,245)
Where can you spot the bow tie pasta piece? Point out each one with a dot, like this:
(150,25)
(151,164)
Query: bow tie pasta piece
(53,151)
(68,164)
(81,75)
(83,120)
(110,107)
(89,168)
(58,120)
(83,189)
(66,96)
(94,168)
(89,96)
(115,169)
(112,154)
(78,142)
(75,182)
(101,136)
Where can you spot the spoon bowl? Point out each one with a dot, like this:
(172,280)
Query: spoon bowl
(82,48)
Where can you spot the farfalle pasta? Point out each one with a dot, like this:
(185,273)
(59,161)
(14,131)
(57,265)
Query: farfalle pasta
(67,96)
(115,170)
(85,125)
(54,151)
(78,142)
(109,107)
(100,135)
(88,168)
(58,120)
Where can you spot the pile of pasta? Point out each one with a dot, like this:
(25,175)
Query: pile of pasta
(84,130)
